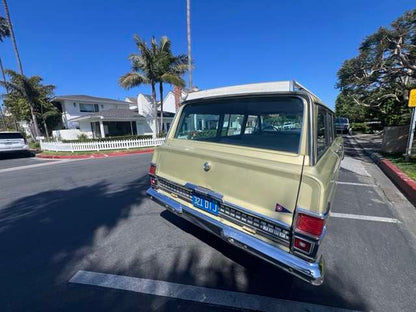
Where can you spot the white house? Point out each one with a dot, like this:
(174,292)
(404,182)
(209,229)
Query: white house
(99,117)
(143,104)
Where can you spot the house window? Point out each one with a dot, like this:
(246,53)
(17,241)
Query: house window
(88,108)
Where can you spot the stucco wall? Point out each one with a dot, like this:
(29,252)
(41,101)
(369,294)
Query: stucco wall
(72,111)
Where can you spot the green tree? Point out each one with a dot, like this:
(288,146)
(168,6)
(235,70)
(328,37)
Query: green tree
(4,33)
(14,43)
(143,71)
(170,68)
(154,64)
(28,99)
(380,77)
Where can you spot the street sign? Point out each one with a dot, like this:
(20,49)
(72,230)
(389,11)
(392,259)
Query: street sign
(412,98)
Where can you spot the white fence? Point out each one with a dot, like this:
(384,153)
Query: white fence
(99,145)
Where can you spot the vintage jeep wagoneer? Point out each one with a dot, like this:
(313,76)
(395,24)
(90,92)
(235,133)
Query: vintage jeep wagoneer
(256,165)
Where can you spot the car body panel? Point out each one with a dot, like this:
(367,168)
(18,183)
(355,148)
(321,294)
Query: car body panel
(12,142)
(256,180)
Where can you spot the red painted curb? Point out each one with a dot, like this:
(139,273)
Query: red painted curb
(406,184)
(111,154)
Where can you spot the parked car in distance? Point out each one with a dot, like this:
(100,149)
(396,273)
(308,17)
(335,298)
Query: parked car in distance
(342,124)
(267,188)
(12,142)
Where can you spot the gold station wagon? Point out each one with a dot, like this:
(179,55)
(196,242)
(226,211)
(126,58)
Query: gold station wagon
(256,165)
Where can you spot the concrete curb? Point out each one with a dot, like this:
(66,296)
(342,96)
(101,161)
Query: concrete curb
(110,154)
(405,184)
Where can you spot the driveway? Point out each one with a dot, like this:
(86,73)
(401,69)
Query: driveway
(89,222)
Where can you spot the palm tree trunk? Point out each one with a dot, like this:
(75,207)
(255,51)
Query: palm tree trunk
(19,62)
(161,105)
(34,119)
(16,51)
(1,108)
(46,129)
(155,130)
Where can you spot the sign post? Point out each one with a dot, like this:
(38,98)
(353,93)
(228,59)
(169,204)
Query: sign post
(412,104)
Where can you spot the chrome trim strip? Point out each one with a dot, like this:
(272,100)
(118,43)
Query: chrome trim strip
(312,272)
(312,213)
(204,191)
(259,215)
(219,197)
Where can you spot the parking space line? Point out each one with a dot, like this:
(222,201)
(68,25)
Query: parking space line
(356,184)
(363,217)
(233,299)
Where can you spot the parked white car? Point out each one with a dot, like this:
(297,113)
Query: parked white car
(13,142)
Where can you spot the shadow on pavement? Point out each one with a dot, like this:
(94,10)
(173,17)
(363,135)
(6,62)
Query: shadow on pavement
(45,237)
(16,155)
(40,234)
(265,279)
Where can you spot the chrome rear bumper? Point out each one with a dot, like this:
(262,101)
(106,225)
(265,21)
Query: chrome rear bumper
(312,272)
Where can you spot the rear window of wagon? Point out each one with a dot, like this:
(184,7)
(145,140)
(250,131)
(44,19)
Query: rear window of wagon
(261,122)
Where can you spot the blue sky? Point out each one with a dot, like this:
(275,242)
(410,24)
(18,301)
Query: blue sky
(81,46)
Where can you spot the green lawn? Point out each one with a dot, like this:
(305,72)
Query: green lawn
(407,167)
(93,152)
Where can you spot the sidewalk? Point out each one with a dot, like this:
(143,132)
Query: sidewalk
(371,144)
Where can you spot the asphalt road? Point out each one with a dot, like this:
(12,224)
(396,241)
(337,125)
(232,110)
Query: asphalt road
(66,216)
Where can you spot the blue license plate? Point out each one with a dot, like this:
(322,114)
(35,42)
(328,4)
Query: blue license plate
(204,204)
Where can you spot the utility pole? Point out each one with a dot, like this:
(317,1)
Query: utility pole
(188,21)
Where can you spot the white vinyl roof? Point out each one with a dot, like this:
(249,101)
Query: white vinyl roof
(254,88)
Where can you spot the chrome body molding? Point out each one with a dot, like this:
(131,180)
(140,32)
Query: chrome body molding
(312,272)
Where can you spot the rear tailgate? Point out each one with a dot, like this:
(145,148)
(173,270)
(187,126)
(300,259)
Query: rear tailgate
(9,142)
(251,178)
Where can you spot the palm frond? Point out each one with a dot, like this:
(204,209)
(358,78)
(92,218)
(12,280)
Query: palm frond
(173,79)
(133,79)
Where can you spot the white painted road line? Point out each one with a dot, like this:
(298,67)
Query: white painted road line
(356,184)
(38,165)
(237,300)
(362,217)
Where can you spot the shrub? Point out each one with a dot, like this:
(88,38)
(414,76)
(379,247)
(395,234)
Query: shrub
(360,127)
(82,137)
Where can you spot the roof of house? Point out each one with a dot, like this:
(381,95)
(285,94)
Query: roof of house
(165,114)
(87,98)
(111,114)
(132,99)
(254,88)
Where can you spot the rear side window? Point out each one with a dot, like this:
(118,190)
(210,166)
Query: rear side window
(325,133)
(261,122)
(10,136)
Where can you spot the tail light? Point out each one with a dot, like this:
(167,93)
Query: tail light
(152,175)
(302,244)
(152,169)
(310,225)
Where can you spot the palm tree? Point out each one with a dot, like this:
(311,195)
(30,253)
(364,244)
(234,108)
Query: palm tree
(4,33)
(143,71)
(16,51)
(27,88)
(170,68)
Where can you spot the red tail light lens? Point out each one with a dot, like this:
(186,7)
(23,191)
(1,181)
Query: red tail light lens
(152,169)
(152,174)
(310,225)
(302,245)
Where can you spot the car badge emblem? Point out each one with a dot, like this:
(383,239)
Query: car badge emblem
(207,166)
(280,208)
